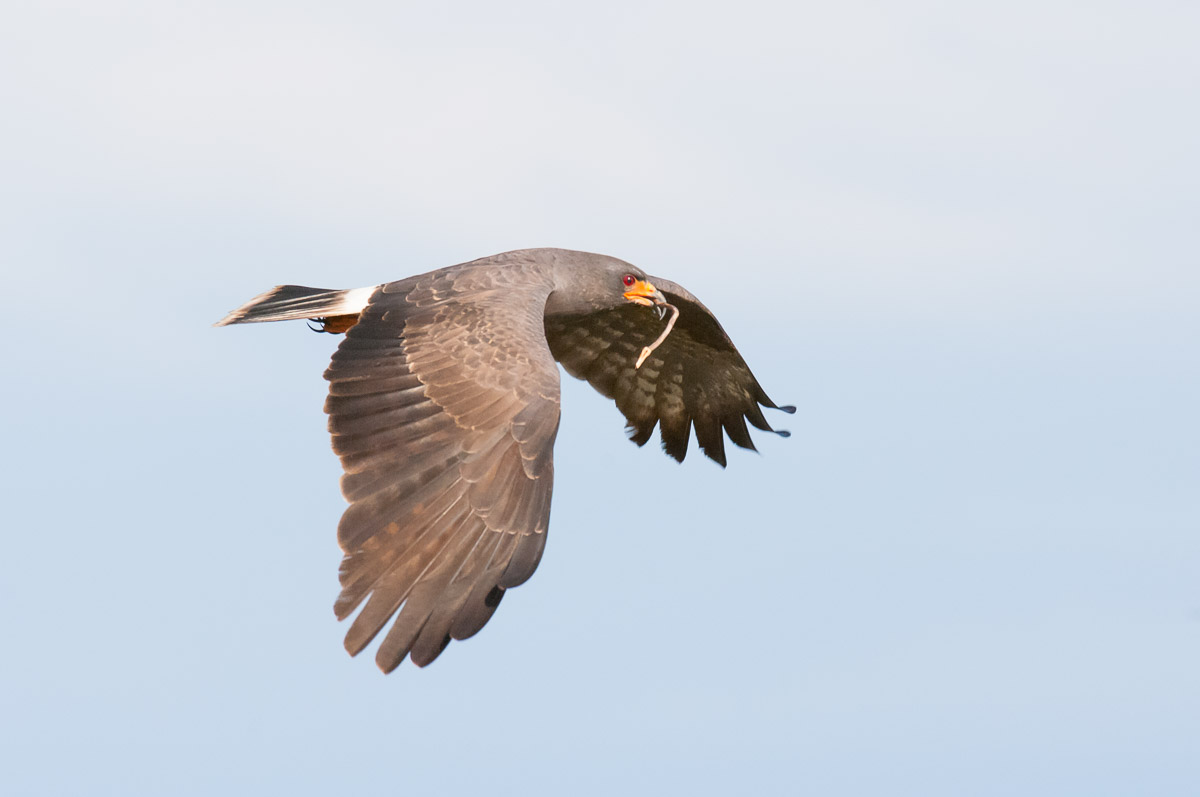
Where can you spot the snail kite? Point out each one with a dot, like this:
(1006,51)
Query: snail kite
(443,406)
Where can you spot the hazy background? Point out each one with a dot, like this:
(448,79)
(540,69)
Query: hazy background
(961,238)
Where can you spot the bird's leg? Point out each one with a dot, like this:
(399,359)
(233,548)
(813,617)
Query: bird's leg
(660,307)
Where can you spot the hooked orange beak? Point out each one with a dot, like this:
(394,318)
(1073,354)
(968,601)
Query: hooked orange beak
(642,292)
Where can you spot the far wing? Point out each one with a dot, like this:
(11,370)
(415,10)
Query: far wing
(696,377)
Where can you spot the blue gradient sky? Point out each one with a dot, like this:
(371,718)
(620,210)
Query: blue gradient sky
(961,238)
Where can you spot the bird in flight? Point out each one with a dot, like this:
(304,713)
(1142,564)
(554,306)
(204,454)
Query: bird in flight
(444,404)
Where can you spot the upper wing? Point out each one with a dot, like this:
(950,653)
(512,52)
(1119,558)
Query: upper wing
(443,405)
(694,378)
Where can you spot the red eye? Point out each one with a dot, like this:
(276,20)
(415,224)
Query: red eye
(629,279)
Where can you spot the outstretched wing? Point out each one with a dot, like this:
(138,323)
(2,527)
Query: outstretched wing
(696,377)
(443,405)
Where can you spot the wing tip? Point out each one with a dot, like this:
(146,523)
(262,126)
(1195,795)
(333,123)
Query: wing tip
(716,454)
(675,453)
(640,434)
(387,665)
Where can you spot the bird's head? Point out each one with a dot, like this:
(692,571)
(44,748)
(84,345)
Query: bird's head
(590,283)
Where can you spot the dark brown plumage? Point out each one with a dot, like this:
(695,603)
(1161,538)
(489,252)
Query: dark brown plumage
(444,404)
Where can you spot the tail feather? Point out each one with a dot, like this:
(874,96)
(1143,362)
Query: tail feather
(291,302)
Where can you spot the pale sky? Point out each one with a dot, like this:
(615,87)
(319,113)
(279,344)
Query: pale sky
(962,239)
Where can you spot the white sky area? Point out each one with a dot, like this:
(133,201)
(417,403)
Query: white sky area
(961,238)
